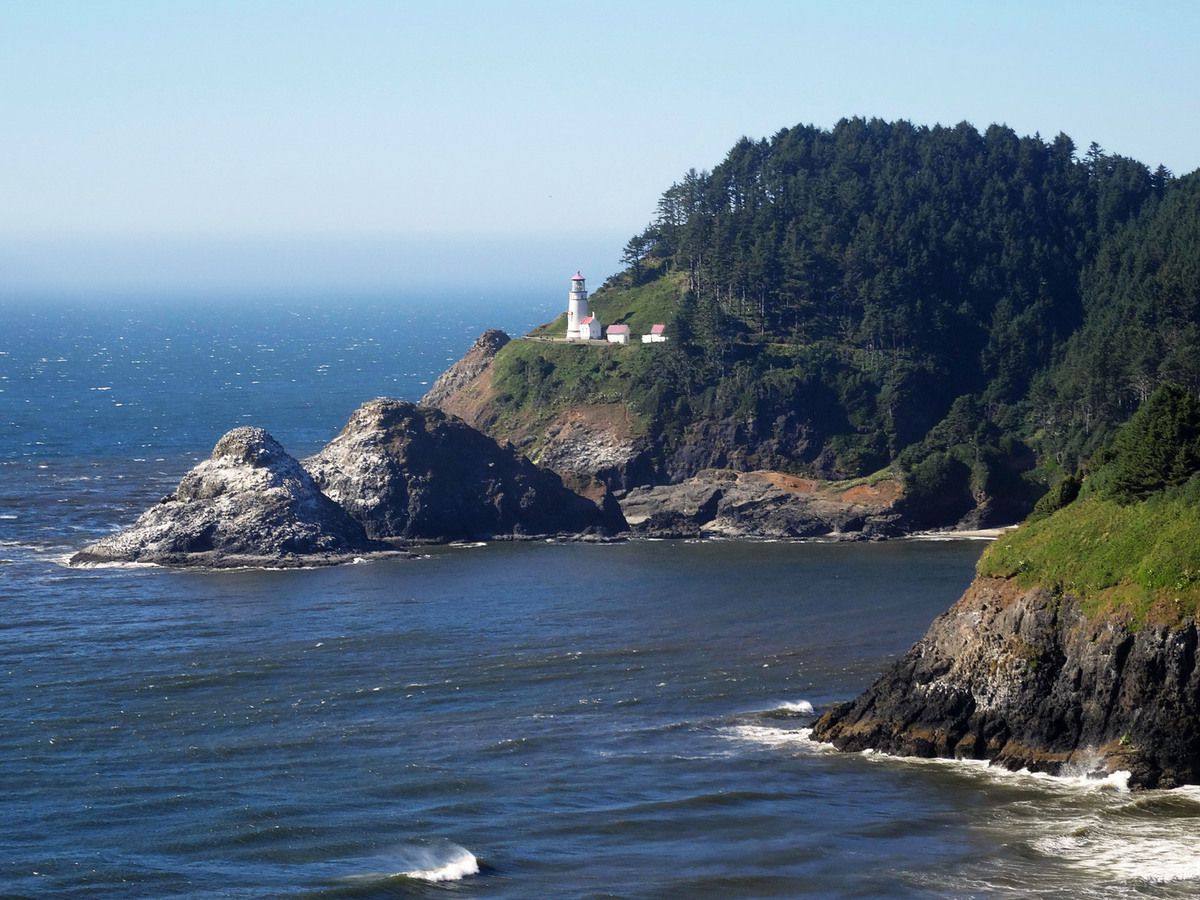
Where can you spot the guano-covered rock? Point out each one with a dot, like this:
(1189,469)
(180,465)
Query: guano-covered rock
(248,504)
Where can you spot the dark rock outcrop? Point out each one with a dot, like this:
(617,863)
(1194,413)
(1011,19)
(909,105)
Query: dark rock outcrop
(248,504)
(1026,679)
(410,472)
(746,444)
(761,504)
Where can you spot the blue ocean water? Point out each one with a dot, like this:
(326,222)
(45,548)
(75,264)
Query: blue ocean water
(508,720)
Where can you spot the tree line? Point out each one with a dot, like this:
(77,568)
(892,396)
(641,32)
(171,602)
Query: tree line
(1022,294)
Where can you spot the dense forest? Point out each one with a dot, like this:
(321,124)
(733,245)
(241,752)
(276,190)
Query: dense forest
(981,309)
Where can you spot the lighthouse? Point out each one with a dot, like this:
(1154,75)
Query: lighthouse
(576,308)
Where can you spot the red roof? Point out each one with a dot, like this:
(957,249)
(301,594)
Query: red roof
(586,321)
(657,329)
(577,276)
(618,329)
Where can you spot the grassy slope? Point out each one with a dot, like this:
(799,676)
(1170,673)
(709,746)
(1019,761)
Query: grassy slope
(534,380)
(1138,561)
(638,307)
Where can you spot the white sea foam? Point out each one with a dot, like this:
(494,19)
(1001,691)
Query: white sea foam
(797,738)
(448,862)
(433,862)
(1124,848)
(794,707)
(1086,775)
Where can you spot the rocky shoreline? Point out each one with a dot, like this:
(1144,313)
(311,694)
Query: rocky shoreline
(1026,679)
(763,504)
(725,478)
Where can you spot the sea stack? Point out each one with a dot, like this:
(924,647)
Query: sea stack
(413,473)
(248,504)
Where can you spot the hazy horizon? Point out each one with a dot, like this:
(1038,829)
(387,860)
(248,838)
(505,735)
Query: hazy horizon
(213,146)
(86,269)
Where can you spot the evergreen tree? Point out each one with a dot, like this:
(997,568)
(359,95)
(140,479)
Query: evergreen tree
(1159,447)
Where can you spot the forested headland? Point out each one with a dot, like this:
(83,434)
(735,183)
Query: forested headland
(978,311)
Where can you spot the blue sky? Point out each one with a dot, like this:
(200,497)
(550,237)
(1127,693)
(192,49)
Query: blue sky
(368,145)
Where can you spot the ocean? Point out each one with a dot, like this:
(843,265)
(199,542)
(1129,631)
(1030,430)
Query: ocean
(514,720)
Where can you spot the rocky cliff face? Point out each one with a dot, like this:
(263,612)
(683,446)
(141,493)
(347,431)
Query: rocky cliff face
(1024,678)
(761,504)
(748,445)
(413,473)
(249,503)
(451,391)
(589,445)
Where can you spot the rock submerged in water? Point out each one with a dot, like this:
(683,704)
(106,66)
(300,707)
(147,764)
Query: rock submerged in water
(248,504)
(409,472)
(1026,679)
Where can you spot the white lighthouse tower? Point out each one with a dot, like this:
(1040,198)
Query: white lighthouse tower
(576,307)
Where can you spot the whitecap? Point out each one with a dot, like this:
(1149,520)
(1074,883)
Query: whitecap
(795,707)
(443,861)
(781,710)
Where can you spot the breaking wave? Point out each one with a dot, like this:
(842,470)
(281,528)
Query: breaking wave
(438,862)
(789,709)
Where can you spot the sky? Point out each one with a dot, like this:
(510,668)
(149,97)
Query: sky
(380,145)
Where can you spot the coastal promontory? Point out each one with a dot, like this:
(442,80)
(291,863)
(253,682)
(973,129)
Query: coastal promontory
(968,314)
(1075,649)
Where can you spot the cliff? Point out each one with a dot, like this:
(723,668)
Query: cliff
(408,472)
(592,444)
(1075,647)
(455,387)
(248,504)
(1027,678)
(965,309)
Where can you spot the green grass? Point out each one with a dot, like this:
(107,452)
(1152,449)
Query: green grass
(1139,561)
(533,381)
(887,473)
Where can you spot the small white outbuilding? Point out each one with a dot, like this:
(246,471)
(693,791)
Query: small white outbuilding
(656,335)
(618,334)
(589,329)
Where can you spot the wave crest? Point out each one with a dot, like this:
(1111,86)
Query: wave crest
(442,862)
